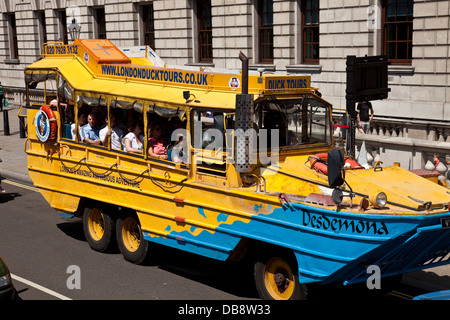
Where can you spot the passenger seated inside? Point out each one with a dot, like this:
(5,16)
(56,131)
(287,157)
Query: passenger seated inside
(54,103)
(115,133)
(82,120)
(157,146)
(134,140)
(91,130)
(177,153)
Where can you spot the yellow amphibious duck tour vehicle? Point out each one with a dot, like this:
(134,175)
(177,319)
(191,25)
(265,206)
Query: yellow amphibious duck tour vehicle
(224,165)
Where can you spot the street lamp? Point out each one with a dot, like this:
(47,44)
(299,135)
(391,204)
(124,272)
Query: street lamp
(74,29)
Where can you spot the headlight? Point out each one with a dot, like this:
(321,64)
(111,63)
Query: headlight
(378,200)
(337,196)
(5,281)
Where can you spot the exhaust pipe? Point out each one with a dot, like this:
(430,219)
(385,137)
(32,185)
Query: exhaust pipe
(244,123)
(244,60)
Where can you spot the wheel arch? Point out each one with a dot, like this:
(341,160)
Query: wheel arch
(113,210)
(252,249)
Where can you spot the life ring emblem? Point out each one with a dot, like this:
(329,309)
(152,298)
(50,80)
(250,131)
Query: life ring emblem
(318,163)
(45,124)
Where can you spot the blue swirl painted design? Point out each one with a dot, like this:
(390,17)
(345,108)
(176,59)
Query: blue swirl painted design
(222,217)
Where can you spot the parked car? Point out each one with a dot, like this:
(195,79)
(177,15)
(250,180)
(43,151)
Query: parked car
(7,290)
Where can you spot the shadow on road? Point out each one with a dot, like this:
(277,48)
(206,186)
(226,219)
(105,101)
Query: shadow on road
(73,228)
(234,278)
(6,197)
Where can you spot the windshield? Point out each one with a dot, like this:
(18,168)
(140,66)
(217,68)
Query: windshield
(301,122)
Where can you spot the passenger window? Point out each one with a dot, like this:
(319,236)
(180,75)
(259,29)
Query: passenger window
(166,136)
(209,131)
(230,119)
(209,136)
(66,107)
(177,149)
(300,122)
(66,110)
(112,133)
(90,132)
(158,137)
(134,136)
(75,128)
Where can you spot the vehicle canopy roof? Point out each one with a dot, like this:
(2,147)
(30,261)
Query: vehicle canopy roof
(97,68)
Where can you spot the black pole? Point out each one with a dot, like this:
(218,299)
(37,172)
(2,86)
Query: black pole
(5,123)
(350,105)
(22,128)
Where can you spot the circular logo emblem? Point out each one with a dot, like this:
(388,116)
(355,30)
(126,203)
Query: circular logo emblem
(42,125)
(234,83)
(86,57)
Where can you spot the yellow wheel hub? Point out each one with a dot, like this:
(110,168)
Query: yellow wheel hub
(96,224)
(131,234)
(279,279)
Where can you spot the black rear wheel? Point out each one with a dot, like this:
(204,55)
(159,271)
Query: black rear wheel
(99,226)
(276,278)
(130,238)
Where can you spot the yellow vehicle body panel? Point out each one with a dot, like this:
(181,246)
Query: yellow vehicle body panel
(50,63)
(141,62)
(75,67)
(408,189)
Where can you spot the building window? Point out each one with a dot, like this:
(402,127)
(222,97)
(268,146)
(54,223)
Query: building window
(265,26)
(310,30)
(398,30)
(12,32)
(42,28)
(204,19)
(100,23)
(148,25)
(62,17)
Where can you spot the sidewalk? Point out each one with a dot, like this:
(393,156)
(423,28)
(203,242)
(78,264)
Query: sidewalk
(14,167)
(12,150)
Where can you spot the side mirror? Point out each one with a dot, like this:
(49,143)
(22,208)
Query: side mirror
(336,163)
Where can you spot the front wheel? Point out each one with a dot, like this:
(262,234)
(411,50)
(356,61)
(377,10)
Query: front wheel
(130,239)
(276,278)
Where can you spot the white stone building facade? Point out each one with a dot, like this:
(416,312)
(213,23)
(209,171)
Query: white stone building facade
(409,127)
